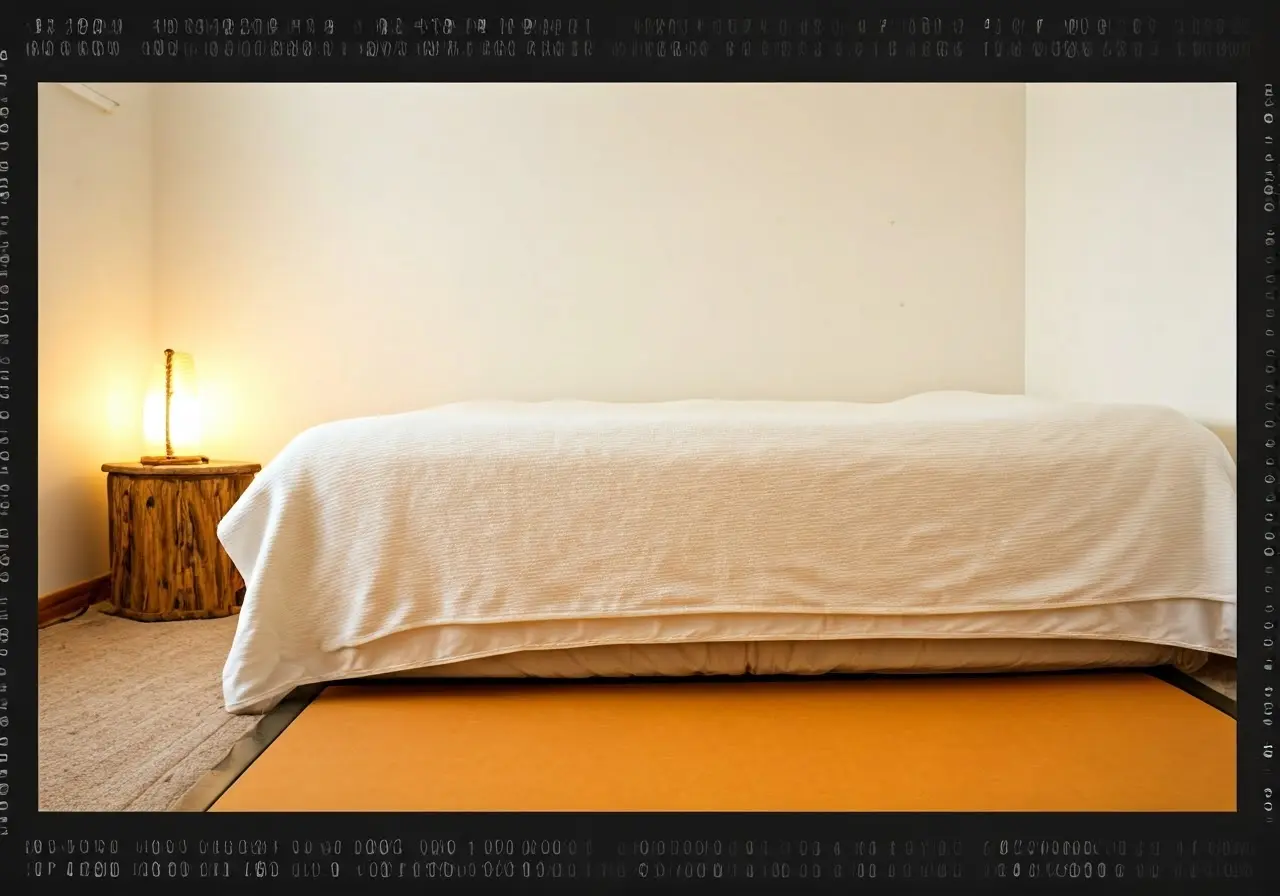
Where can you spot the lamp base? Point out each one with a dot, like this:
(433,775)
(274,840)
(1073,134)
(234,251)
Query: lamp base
(167,461)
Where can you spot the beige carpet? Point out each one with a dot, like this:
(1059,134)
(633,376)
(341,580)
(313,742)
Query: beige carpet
(131,713)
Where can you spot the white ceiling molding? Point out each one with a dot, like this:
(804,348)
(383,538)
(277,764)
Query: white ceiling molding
(95,96)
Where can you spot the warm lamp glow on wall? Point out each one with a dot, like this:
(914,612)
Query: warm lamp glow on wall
(171,414)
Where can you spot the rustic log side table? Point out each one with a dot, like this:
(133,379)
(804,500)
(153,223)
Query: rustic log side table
(166,561)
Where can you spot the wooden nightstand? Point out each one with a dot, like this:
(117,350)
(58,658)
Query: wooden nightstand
(166,561)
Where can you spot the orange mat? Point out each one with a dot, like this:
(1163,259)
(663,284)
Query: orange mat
(1112,742)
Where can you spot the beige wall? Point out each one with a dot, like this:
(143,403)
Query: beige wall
(336,250)
(1131,245)
(95,309)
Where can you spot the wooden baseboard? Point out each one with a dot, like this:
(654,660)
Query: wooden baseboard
(73,599)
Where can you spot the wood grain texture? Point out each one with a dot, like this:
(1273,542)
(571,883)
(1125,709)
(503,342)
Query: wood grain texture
(72,599)
(166,561)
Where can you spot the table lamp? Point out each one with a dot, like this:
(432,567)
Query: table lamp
(173,413)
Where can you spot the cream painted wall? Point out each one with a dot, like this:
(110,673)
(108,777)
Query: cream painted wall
(95,261)
(335,250)
(1131,245)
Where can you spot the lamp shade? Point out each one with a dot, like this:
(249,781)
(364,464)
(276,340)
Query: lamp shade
(171,412)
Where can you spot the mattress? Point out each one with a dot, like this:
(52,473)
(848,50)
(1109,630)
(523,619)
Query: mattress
(884,656)
(490,529)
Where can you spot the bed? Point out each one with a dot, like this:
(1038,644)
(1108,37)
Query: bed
(944,532)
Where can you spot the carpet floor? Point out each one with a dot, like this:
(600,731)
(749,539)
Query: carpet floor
(131,713)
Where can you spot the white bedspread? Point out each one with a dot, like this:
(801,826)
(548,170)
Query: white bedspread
(488,528)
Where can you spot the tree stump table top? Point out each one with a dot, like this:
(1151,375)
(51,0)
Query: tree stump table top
(212,468)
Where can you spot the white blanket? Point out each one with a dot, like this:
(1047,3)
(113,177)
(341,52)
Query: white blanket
(486,528)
